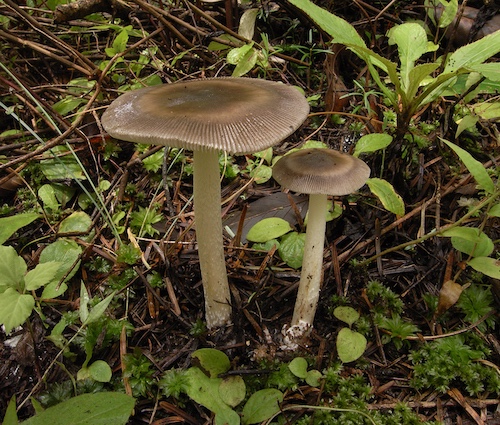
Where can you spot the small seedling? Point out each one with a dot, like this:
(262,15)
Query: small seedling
(350,344)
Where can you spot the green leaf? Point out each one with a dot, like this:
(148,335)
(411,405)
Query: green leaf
(470,240)
(10,225)
(474,53)
(486,265)
(99,309)
(61,165)
(411,40)
(48,196)
(350,345)
(65,251)
(232,390)
(68,104)
(346,314)
(339,29)
(313,378)
(53,290)
(466,122)
(298,366)
(15,308)
(261,174)
(10,417)
(247,23)
(261,406)
(385,192)
(12,269)
(488,110)
(291,249)
(494,211)
(416,76)
(267,229)
(371,143)
(84,303)
(42,274)
(104,408)
(205,391)
(77,222)
(474,166)
(235,55)
(246,63)
(490,70)
(100,371)
(212,361)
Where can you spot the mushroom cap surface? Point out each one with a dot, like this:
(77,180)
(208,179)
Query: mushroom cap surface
(321,171)
(236,115)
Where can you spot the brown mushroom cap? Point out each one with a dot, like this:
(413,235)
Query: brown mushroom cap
(236,115)
(321,171)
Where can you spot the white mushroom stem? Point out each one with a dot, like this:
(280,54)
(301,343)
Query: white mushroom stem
(312,264)
(208,222)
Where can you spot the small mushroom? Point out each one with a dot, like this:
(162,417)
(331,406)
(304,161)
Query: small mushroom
(235,115)
(319,173)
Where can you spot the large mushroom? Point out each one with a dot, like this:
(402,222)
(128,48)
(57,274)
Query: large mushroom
(235,115)
(319,173)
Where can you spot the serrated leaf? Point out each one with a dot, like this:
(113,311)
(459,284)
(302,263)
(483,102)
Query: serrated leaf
(12,269)
(15,308)
(232,390)
(486,265)
(10,225)
(261,406)
(350,345)
(104,408)
(298,366)
(42,274)
(385,192)
(291,249)
(371,143)
(267,229)
(474,166)
(346,314)
(213,361)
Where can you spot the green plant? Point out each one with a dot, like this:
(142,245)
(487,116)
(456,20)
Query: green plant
(142,221)
(450,362)
(412,86)
(350,344)
(138,372)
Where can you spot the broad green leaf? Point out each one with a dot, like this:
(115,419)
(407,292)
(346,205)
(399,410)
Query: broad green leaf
(350,345)
(494,211)
(100,371)
(61,165)
(474,166)
(236,55)
(489,110)
(65,251)
(339,29)
(291,249)
(77,222)
(470,240)
(371,143)
(99,309)
(15,308)
(104,408)
(53,290)
(41,275)
(417,76)
(205,391)
(474,53)
(48,196)
(10,225)
(12,269)
(267,229)
(448,13)
(261,173)
(385,192)
(490,70)
(266,246)
(247,23)
(298,366)
(232,390)
(411,40)
(68,104)
(486,265)
(346,314)
(313,378)
(212,361)
(261,406)
(246,63)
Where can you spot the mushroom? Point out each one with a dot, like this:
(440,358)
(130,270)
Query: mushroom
(319,173)
(235,115)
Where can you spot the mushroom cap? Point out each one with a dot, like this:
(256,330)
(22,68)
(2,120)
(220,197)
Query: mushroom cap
(321,171)
(236,115)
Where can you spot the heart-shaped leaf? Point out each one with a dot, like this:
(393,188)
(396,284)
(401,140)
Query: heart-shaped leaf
(350,345)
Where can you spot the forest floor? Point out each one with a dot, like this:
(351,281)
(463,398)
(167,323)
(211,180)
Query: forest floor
(437,353)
